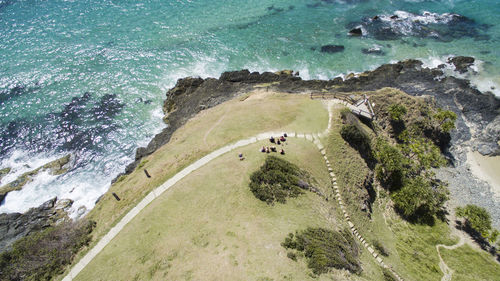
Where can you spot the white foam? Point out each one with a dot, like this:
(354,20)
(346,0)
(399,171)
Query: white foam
(408,23)
(21,162)
(32,192)
(478,78)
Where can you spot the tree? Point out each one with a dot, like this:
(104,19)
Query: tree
(390,169)
(397,111)
(446,120)
(423,154)
(420,197)
(475,217)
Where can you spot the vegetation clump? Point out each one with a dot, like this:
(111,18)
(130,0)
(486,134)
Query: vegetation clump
(326,249)
(380,248)
(397,111)
(446,119)
(43,255)
(479,220)
(278,179)
(405,168)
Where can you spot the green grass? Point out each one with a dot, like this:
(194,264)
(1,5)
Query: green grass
(469,264)
(210,226)
(350,170)
(210,129)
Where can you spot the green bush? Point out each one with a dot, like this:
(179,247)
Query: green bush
(391,168)
(420,198)
(276,180)
(326,249)
(43,255)
(397,111)
(478,219)
(446,120)
(292,256)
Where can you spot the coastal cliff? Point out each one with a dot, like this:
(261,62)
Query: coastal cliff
(478,113)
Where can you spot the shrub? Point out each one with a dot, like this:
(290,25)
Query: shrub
(391,168)
(479,220)
(42,255)
(446,120)
(397,111)
(276,180)
(326,249)
(292,256)
(380,248)
(419,198)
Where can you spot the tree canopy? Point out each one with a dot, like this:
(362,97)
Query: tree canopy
(478,219)
(397,111)
(446,119)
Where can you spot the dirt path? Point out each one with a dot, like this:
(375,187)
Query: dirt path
(448,272)
(213,127)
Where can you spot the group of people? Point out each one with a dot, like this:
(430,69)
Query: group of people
(268,149)
(279,141)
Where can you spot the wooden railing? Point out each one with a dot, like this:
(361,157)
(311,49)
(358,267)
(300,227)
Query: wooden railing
(344,97)
(321,95)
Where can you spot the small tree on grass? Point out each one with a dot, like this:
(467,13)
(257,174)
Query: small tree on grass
(277,179)
(326,249)
(478,219)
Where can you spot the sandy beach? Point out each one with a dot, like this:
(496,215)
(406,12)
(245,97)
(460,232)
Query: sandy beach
(486,168)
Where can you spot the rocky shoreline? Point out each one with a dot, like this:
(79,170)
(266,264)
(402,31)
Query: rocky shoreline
(478,117)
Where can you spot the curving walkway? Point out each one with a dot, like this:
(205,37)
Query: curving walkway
(447,272)
(315,138)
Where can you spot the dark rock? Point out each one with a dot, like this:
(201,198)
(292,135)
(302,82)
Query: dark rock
(356,32)
(461,63)
(14,226)
(393,17)
(332,49)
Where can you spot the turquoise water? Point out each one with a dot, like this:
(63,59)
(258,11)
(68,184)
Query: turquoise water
(89,77)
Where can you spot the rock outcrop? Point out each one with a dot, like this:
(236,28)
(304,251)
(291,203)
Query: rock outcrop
(461,63)
(4,172)
(15,225)
(332,49)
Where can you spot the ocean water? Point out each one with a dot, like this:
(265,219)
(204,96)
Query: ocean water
(88,77)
